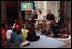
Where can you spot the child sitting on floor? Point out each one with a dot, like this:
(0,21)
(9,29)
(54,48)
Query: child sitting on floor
(3,35)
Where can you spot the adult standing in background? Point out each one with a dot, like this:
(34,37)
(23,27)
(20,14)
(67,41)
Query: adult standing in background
(34,15)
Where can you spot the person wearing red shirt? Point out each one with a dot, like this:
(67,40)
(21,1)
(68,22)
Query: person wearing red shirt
(3,37)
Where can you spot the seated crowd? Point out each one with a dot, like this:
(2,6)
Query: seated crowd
(19,33)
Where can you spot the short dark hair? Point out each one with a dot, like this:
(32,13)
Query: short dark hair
(3,25)
(10,27)
(40,11)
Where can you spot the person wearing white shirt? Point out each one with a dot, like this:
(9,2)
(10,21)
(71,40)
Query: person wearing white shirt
(40,18)
(8,34)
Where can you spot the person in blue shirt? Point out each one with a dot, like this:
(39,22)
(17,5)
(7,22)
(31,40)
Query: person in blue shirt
(16,37)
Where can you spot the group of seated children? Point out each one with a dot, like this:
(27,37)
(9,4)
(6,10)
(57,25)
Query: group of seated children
(17,34)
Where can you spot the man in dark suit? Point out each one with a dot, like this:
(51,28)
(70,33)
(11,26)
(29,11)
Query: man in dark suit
(56,27)
(50,16)
(51,19)
(61,17)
